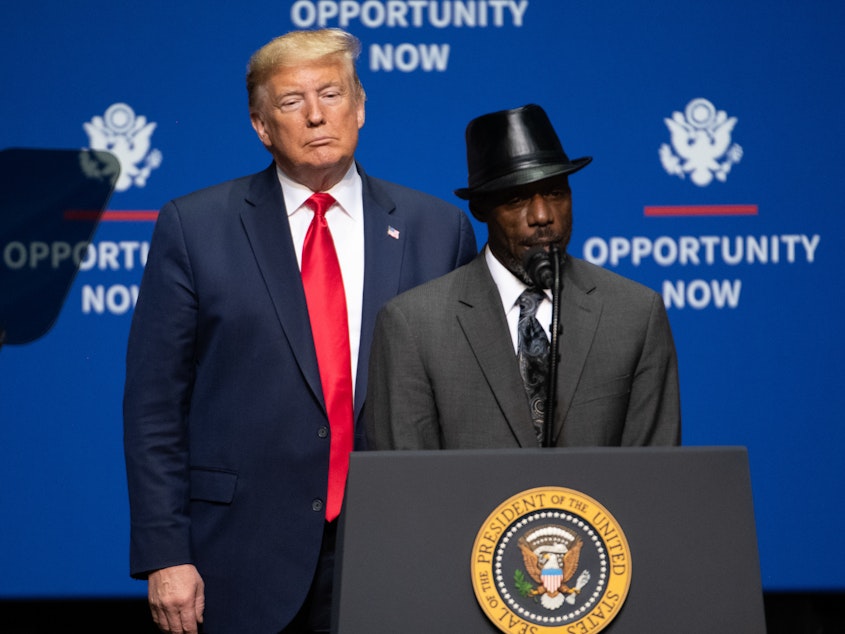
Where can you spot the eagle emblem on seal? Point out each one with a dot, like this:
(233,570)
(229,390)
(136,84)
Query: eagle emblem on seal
(551,555)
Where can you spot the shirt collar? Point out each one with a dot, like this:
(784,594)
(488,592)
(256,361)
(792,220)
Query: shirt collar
(346,192)
(509,285)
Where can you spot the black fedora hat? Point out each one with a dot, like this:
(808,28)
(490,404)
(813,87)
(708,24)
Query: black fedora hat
(511,148)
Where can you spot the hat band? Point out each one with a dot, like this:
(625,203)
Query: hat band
(551,160)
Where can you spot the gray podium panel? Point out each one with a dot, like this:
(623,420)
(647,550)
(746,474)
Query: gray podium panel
(412,517)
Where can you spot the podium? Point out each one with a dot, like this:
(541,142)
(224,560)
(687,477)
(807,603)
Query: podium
(413,521)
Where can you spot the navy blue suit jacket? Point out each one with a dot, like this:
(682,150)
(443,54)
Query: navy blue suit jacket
(224,421)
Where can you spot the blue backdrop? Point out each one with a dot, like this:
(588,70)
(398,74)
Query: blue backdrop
(716,181)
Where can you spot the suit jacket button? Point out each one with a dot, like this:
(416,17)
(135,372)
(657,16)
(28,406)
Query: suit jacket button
(317,505)
(323,432)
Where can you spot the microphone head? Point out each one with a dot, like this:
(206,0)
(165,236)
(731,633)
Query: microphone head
(538,265)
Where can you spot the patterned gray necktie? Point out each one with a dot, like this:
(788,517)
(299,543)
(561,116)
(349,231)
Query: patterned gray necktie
(533,356)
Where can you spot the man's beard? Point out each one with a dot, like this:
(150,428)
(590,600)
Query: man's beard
(515,265)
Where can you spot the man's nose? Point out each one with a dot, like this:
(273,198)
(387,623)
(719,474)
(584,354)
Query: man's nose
(539,211)
(314,112)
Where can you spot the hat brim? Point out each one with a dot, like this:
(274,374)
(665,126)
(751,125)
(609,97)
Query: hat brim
(524,177)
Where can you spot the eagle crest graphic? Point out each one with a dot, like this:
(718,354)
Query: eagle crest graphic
(551,555)
(129,137)
(701,138)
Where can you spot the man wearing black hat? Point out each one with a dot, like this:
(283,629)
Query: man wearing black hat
(462,362)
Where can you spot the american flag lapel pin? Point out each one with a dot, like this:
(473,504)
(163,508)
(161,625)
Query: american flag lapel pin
(393,232)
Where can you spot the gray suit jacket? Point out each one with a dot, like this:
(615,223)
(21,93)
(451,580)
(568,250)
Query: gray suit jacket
(443,373)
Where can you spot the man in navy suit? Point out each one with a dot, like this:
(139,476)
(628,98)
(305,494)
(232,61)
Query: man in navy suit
(227,437)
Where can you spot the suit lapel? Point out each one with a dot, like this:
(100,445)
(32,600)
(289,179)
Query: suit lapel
(265,221)
(580,313)
(482,319)
(384,246)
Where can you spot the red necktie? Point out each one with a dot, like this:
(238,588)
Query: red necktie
(324,294)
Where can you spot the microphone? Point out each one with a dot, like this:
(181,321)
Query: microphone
(544,269)
(538,265)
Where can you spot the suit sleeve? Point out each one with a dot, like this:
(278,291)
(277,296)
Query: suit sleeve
(468,247)
(159,377)
(654,408)
(400,412)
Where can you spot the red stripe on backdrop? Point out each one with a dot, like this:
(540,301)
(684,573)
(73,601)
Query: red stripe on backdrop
(112,216)
(701,210)
(130,216)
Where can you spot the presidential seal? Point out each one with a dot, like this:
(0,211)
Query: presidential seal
(551,560)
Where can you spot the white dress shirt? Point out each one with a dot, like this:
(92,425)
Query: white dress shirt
(510,288)
(346,223)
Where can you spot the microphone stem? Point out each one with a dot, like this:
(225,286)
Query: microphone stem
(554,357)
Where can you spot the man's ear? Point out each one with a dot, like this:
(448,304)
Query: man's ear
(479,212)
(259,127)
(360,113)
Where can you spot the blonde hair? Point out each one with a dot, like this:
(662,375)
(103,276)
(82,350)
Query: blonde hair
(298,47)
